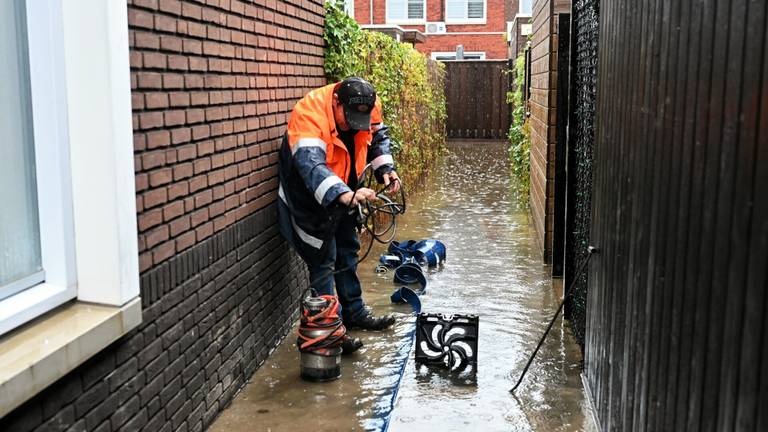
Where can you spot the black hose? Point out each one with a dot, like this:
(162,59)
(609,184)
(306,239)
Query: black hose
(590,251)
(366,215)
(367,218)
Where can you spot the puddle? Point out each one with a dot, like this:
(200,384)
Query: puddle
(493,269)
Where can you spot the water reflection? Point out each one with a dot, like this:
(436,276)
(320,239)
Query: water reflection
(494,270)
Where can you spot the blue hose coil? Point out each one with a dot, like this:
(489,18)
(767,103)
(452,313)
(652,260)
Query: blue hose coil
(431,252)
(410,273)
(407,295)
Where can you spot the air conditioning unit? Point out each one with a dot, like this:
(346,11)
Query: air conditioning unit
(435,28)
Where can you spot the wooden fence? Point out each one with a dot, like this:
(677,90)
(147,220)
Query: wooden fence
(476,95)
(677,333)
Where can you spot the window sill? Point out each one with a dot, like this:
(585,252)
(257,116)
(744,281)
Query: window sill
(37,354)
(31,303)
(466,22)
(407,22)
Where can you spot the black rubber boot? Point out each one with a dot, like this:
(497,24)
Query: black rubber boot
(350,344)
(371,322)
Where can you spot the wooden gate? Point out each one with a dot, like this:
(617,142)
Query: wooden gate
(476,94)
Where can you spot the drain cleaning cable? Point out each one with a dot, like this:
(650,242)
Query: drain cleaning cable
(591,250)
(367,214)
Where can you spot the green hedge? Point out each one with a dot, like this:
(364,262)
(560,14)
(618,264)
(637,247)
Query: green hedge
(411,87)
(519,135)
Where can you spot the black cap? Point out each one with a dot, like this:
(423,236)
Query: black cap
(358,97)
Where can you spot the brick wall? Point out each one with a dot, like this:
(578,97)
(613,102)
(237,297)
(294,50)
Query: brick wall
(543,119)
(363,11)
(512,8)
(494,45)
(519,41)
(212,87)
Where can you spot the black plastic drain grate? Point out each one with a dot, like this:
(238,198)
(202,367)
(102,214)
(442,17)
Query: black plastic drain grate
(447,340)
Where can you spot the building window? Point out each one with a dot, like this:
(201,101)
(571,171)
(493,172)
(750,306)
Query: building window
(37,269)
(21,263)
(66,155)
(406,11)
(349,7)
(526,7)
(447,56)
(464,11)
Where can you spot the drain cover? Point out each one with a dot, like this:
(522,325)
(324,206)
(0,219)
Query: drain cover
(447,340)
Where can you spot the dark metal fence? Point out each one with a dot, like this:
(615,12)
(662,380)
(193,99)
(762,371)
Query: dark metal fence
(581,122)
(561,140)
(678,317)
(476,94)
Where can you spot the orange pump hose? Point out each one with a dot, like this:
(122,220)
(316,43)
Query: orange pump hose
(328,320)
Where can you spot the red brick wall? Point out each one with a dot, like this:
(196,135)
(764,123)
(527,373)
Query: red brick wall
(494,45)
(363,11)
(213,86)
(379,12)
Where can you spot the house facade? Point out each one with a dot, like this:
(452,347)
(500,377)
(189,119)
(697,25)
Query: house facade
(143,278)
(481,27)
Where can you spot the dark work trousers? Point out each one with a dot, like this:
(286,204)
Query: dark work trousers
(340,253)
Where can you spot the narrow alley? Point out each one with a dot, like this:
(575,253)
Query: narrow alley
(492,271)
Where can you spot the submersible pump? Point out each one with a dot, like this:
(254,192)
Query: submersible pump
(321,333)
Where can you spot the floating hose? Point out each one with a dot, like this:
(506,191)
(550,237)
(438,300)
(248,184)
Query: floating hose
(407,295)
(427,252)
(391,260)
(410,273)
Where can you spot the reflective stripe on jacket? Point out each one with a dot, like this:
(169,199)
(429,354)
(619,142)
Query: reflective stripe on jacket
(314,164)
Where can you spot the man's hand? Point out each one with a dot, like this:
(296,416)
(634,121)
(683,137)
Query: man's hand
(392,181)
(351,199)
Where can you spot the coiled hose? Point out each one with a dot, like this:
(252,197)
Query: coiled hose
(322,330)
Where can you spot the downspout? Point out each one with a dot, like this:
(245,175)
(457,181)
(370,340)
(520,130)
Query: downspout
(370,9)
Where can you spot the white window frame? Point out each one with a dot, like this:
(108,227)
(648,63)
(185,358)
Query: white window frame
(422,20)
(465,20)
(435,54)
(81,109)
(349,8)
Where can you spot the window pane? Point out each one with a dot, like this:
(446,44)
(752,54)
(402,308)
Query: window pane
(526,6)
(455,9)
(415,9)
(19,228)
(475,10)
(396,9)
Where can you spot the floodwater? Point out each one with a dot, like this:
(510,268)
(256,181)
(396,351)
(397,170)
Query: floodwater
(493,269)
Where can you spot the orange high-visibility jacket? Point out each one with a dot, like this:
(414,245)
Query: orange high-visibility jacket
(314,164)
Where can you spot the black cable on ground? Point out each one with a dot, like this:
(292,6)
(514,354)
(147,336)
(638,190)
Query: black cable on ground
(590,251)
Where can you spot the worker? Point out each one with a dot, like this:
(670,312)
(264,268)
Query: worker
(333,133)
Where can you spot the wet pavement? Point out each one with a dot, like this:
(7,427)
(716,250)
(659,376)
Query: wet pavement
(492,270)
